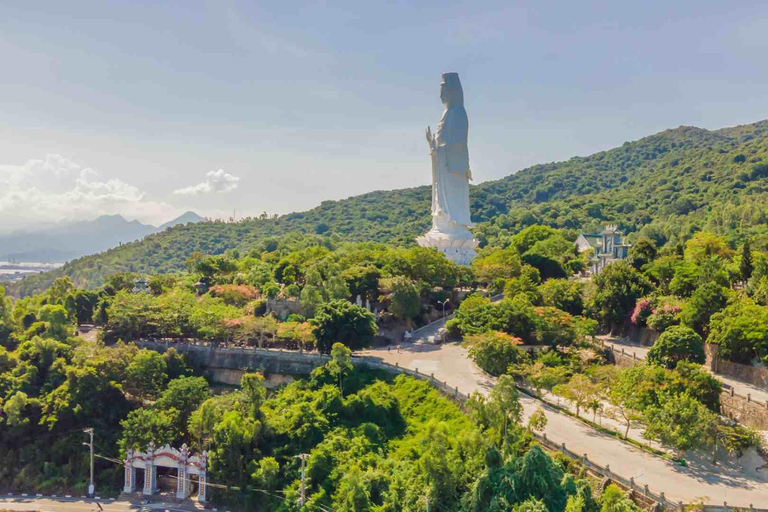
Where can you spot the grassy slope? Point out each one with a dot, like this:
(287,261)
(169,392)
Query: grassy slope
(676,181)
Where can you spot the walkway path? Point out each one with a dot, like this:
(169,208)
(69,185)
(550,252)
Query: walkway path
(699,481)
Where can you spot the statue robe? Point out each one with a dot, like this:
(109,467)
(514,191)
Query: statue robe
(450,171)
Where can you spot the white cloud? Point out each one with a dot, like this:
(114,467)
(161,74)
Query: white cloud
(56,189)
(218,181)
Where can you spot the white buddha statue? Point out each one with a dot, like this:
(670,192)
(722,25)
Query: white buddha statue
(450,178)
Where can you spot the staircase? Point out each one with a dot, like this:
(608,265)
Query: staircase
(430,333)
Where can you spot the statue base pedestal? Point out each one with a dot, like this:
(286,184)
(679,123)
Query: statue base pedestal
(458,244)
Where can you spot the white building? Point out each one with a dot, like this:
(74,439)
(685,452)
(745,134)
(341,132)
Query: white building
(607,247)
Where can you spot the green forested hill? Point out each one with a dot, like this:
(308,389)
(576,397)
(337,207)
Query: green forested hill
(664,186)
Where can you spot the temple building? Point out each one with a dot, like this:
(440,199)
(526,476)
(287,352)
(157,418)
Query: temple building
(607,247)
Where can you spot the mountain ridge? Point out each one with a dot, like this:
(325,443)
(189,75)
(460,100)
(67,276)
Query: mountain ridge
(664,186)
(71,240)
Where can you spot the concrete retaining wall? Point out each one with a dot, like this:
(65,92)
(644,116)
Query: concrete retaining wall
(745,411)
(752,374)
(642,335)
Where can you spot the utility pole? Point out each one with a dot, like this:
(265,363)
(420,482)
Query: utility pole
(91,486)
(303,457)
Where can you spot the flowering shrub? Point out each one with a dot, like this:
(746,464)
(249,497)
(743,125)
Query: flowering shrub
(235,294)
(664,317)
(643,309)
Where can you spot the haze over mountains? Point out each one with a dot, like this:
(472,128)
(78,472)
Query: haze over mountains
(664,186)
(67,241)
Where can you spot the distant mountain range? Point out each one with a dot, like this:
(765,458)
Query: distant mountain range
(72,240)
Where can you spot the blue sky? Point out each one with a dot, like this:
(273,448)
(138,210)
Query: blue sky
(152,108)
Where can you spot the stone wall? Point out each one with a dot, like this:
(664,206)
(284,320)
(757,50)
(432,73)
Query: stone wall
(752,374)
(216,360)
(283,308)
(232,377)
(746,412)
(642,335)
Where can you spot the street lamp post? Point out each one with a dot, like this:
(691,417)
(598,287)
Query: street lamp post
(446,301)
(91,486)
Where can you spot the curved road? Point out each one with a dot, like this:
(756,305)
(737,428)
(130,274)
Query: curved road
(700,481)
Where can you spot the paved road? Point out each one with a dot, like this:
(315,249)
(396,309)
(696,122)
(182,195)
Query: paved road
(699,481)
(85,505)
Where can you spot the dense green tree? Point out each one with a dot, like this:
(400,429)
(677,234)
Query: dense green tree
(497,264)
(254,392)
(678,343)
(343,322)
(563,294)
(147,374)
(662,271)
(527,283)
(740,331)
(528,237)
(680,422)
(618,287)
(693,379)
(185,394)
(340,364)
(85,301)
(642,253)
(233,447)
(145,425)
(59,289)
(6,320)
(745,262)
(494,351)
(403,297)
(362,280)
(500,414)
(685,280)
(704,244)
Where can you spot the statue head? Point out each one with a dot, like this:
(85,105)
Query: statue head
(451,92)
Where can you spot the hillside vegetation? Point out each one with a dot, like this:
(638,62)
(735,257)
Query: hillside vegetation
(665,186)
